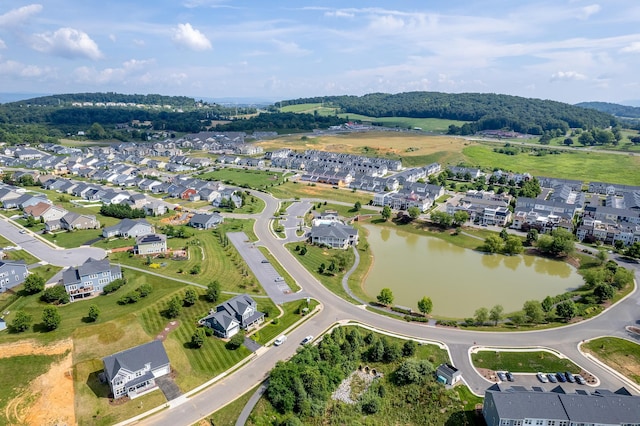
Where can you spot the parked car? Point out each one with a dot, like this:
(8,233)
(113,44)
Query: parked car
(580,379)
(569,377)
(552,378)
(509,376)
(542,377)
(306,340)
(561,377)
(280,340)
(278,279)
(502,376)
(264,261)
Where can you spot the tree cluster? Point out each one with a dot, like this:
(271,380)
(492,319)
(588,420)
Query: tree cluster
(121,211)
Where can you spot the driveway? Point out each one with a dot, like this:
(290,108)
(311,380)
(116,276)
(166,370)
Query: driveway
(168,387)
(43,251)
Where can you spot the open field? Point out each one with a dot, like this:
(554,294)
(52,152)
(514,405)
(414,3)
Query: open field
(243,177)
(321,192)
(620,354)
(523,362)
(587,166)
(406,146)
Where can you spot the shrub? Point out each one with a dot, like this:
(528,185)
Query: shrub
(114,285)
(144,290)
(235,342)
(33,284)
(21,322)
(55,294)
(131,297)
(51,318)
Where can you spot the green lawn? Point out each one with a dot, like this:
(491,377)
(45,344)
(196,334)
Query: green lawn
(620,354)
(316,256)
(76,238)
(345,211)
(22,255)
(251,178)
(523,362)
(587,166)
(319,191)
(227,415)
(206,251)
(26,368)
(292,314)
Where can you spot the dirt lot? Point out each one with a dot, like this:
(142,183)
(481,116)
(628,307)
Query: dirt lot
(49,399)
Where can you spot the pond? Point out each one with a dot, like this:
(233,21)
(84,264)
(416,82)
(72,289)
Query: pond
(459,280)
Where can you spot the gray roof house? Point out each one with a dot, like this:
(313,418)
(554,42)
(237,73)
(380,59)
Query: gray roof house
(205,221)
(12,273)
(150,244)
(334,235)
(71,221)
(132,372)
(89,278)
(448,374)
(128,228)
(240,312)
(517,405)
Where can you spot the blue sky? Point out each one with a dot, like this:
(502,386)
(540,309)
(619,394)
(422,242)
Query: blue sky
(566,50)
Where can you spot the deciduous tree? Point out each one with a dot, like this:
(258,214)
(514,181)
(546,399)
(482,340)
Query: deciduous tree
(425,305)
(385,297)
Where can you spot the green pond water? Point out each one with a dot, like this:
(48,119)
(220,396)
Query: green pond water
(459,280)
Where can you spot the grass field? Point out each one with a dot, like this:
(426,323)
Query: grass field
(316,256)
(227,415)
(620,354)
(523,362)
(587,166)
(22,255)
(320,192)
(243,177)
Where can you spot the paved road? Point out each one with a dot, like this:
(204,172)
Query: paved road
(43,251)
(459,342)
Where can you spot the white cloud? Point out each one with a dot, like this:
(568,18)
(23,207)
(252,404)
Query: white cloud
(587,11)
(339,14)
(3,45)
(113,38)
(112,75)
(567,76)
(68,43)
(16,17)
(12,68)
(632,48)
(290,48)
(187,36)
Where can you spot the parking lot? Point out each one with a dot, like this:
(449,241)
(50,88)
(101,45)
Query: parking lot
(530,380)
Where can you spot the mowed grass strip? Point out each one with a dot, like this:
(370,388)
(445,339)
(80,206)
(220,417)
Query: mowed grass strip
(320,192)
(523,362)
(620,354)
(244,177)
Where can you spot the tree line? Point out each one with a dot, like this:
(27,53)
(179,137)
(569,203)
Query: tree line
(482,111)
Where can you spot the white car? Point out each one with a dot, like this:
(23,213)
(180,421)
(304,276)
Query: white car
(306,340)
(542,377)
(280,340)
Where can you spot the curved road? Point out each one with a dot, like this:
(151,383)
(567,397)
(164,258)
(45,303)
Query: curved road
(459,342)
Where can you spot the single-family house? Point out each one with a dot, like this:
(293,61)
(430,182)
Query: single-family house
(36,210)
(53,213)
(12,273)
(150,244)
(89,278)
(334,235)
(205,221)
(113,197)
(133,372)
(72,220)
(128,228)
(228,318)
(155,208)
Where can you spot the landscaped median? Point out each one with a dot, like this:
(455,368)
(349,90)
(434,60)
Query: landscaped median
(621,355)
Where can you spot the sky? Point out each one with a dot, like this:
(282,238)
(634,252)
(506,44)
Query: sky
(565,50)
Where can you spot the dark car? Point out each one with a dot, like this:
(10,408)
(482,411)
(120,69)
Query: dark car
(552,378)
(509,376)
(501,376)
(580,379)
(561,377)
(569,377)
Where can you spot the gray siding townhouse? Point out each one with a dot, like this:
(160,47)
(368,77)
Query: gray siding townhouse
(150,244)
(89,278)
(515,406)
(228,318)
(128,228)
(12,273)
(334,235)
(133,372)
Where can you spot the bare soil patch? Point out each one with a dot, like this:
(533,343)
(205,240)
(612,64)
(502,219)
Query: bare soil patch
(172,325)
(49,399)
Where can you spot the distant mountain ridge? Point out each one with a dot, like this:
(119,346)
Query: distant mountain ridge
(483,110)
(622,111)
(104,97)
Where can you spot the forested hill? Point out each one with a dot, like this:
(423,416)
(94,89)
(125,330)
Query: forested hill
(613,109)
(482,110)
(104,97)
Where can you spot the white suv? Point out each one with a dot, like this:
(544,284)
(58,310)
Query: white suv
(280,340)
